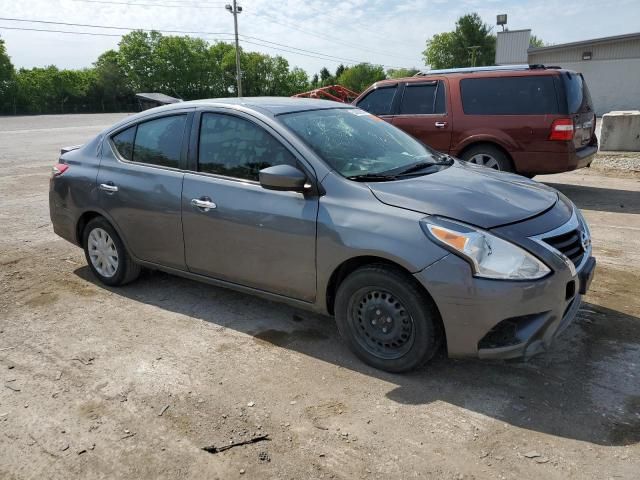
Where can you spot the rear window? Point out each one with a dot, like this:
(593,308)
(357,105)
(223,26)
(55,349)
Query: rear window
(158,142)
(423,99)
(379,101)
(533,95)
(577,93)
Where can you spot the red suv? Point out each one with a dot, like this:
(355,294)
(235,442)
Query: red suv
(526,119)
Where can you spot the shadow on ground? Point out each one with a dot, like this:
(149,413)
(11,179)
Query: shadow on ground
(601,199)
(582,389)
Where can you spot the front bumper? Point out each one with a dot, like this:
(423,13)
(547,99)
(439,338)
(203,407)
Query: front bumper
(503,319)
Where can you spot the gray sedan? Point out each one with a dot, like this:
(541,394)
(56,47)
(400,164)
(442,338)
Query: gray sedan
(326,207)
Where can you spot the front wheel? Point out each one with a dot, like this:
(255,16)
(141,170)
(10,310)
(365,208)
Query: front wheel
(387,320)
(106,255)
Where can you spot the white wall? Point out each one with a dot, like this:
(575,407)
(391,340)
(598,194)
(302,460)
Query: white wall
(614,84)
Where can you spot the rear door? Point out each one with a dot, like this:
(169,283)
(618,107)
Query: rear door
(140,186)
(250,236)
(423,113)
(381,101)
(580,108)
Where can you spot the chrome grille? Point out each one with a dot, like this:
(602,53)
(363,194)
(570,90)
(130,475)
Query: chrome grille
(570,244)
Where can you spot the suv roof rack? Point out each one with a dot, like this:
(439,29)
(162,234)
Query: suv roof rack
(483,69)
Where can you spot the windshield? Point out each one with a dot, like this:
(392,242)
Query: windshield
(356,143)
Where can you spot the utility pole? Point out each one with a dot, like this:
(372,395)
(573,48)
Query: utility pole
(236,10)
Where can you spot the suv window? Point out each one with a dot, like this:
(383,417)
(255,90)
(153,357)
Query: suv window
(234,147)
(379,101)
(423,99)
(578,97)
(124,142)
(532,95)
(159,142)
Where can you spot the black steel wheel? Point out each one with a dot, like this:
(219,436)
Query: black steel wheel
(387,319)
(386,328)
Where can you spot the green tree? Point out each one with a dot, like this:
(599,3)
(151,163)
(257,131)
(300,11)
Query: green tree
(470,44)
(109,88)
(326,78)
(360,76)
(535,42)
(7,80)
(401,72)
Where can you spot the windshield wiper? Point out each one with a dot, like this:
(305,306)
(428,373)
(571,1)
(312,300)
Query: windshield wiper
(371,177)
(422,165)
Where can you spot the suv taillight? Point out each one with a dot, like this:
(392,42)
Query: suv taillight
(59,169)
(562,129)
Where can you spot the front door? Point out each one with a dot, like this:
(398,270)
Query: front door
(422,113)
(235,230)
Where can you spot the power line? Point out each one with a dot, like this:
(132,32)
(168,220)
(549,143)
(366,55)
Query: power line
(313,54)
(164,5)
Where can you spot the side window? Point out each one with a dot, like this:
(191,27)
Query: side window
(159,142)
(422,99)
(124,142)
(379,101)
(532,95)
(234,147)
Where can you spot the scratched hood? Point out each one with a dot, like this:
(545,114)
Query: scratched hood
(468,193)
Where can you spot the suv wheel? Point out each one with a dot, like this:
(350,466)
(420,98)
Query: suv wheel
(386,319)
(106,255)
(488,156)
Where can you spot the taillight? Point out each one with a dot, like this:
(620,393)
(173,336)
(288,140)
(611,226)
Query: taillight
(59,169)
(562,129)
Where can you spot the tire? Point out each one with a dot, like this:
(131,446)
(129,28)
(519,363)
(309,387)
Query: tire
(376,294)
(106,256)
(488,156)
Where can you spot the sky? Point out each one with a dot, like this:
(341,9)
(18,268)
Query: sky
(309,33)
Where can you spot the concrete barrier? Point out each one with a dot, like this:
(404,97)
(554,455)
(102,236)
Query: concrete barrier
(620,131)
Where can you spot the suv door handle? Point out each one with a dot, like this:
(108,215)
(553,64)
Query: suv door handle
(441,124)
(204,203)
(108,187)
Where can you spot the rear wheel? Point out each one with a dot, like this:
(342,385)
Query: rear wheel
(106,255)
(488,156)
(386,319)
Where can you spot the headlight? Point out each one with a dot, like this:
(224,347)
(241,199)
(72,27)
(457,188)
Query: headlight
(489,256)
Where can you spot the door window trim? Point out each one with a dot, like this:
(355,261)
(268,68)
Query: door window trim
(439,84)
(194,147)
(395,101)
(182,161)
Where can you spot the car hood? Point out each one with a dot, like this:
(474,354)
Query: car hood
(468,193)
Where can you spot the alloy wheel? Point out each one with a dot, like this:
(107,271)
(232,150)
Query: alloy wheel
(485,160)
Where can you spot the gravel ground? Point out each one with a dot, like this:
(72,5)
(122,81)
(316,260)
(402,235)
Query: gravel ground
(133,382)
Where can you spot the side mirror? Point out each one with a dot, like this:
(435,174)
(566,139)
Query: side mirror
(283,178)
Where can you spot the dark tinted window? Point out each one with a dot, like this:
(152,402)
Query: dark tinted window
(124,142)
(378,101)
(509,96)
(578,98)
(158,142)
(235,147)
(423,99)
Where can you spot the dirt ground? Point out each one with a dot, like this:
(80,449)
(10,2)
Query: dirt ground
(133,382)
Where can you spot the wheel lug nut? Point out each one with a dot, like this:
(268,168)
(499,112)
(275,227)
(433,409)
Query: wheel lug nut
(388,319)
(377,312)
(373,322)
(384,330)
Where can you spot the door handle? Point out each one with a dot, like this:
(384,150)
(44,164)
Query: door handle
(441,124)
(205,203)
(108,187)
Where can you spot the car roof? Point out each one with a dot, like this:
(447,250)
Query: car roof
(431,76)
(268,105)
